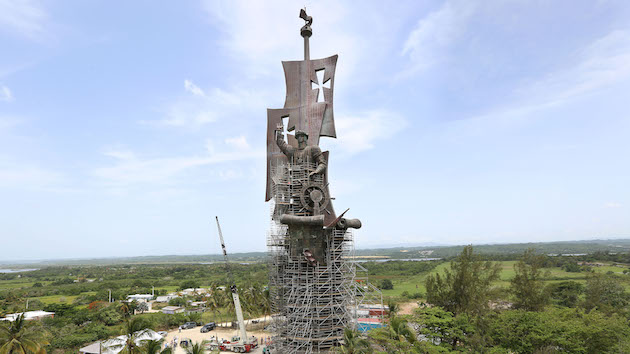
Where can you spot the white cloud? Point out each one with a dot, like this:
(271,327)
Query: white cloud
(6,94)
(613,205)
(230,174)
(252,32)
(435,32)
(604,62)
(361,131)
(599,65)
(18,174)
(201,107)
(192,88)
(131,169)
(24,17)
(239,143)
(259,34)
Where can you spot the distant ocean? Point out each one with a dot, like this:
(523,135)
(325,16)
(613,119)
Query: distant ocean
(16,270)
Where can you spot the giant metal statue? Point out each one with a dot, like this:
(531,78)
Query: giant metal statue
(311,284)
(304,202)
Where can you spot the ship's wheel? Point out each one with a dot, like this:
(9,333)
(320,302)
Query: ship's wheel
(314,198)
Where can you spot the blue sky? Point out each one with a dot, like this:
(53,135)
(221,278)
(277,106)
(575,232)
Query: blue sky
(125,127)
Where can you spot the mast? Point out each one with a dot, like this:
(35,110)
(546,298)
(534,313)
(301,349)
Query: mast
(233,288)
(306,32)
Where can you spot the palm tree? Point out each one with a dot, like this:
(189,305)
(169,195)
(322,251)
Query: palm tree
(229,302)
(132,330)
(22,338)
(393,309)
(125,308)
(400,330)
(354,344)
(216,301)
(196,348)
(155,347)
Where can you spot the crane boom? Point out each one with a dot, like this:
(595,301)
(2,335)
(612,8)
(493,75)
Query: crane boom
(233,288)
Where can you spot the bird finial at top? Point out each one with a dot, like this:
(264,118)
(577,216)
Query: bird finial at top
(306,31)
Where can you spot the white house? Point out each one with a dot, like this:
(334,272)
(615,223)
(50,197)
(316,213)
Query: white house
(166,298)
(29,315)
(116,345)
(171,310)
(140,297)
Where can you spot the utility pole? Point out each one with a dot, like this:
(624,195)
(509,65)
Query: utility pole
(110,295)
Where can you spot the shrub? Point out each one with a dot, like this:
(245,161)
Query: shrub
(387,284)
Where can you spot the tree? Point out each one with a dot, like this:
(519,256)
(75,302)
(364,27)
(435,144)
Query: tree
(527,285)
(228,301)
(189,284)
(354,344)
(109,315)
(154,347)
(195,348)
(142,307)
(566,293)
(133,329)
(177,301)
(215,302)
(466,286)
(19,337)
(393,308)
(194,317)
(399,329)
(127,308)
(572,267)
(387,284)
(559,330)
(605,293)
(442,327)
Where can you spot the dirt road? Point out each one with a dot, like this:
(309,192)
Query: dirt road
(221,333)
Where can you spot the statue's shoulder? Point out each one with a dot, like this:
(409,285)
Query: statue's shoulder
(314,150)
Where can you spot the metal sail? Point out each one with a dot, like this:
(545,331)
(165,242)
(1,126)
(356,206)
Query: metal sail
(302,107)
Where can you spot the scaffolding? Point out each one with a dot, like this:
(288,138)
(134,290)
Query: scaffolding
(311,304)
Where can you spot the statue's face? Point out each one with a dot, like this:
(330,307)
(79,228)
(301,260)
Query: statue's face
(302,139)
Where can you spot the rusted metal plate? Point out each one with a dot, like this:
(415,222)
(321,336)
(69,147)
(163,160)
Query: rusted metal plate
(315,118)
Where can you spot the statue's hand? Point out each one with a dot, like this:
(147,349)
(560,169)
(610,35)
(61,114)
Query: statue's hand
(311,174)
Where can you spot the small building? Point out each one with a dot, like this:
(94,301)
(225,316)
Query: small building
(140,297)
(171,310)
(194,291)
(197,303)
(29,315)
(166,298)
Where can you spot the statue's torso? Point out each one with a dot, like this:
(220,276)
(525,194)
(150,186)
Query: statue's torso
(307,155)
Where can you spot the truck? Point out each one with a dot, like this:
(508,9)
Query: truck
(234,345)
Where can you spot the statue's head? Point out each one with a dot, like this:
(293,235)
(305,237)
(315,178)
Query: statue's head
(302,138)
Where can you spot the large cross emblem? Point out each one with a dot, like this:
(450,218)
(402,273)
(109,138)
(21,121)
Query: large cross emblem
(283,128)
(320,85)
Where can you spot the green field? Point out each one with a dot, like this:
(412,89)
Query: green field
(18,283)
(413,284)
(61,299)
